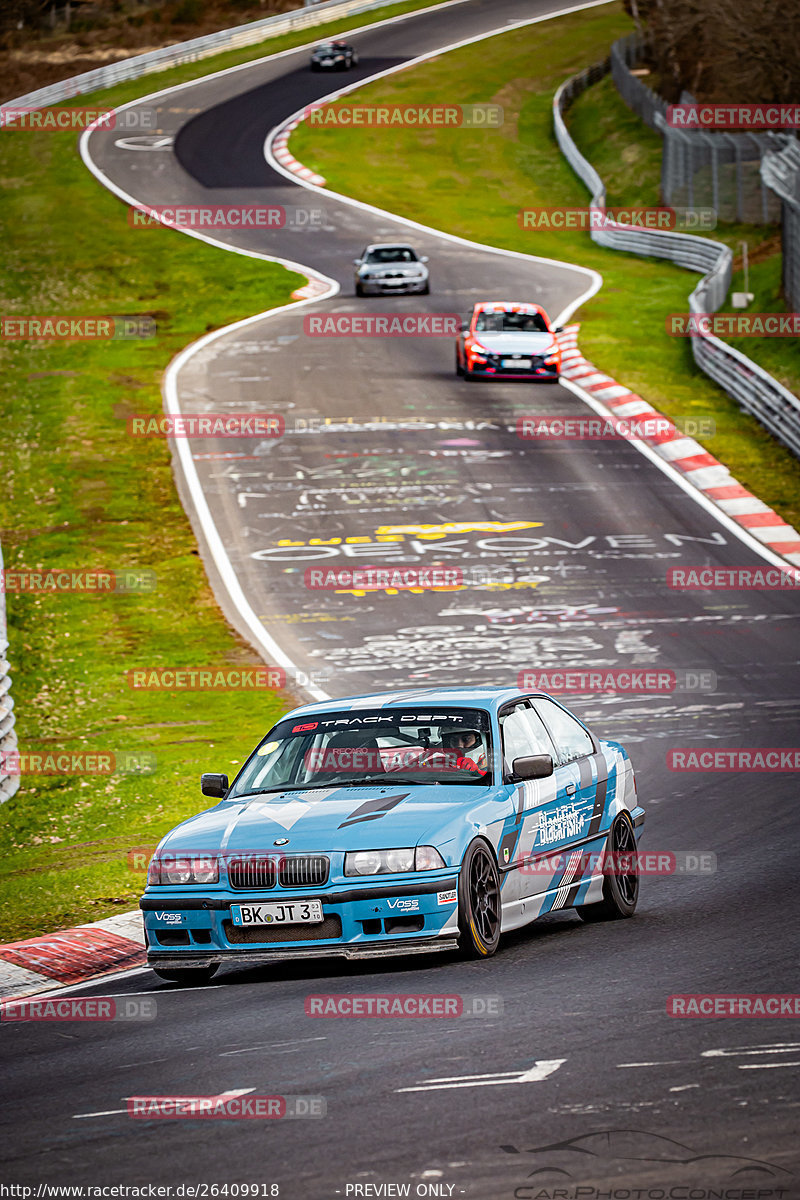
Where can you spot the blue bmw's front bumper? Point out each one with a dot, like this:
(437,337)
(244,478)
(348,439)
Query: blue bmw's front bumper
(192,927)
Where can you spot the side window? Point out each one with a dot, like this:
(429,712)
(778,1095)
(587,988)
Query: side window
(524,734)
(571,739)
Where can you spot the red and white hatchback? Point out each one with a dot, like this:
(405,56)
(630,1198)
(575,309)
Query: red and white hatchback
(508,340)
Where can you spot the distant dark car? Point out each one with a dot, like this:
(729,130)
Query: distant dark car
(334,56)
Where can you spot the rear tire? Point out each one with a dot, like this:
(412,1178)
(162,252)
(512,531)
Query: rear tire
(620,891)
(478,902)
(189,976)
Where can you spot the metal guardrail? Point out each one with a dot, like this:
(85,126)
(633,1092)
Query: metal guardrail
(193,50)
(748,383)
(781,173)
(8,734)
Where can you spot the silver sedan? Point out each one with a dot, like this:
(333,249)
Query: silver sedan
(385,268)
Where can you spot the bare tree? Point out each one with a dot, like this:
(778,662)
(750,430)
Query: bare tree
(719,53)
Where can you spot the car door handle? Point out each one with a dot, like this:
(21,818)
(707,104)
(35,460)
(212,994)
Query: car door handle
(570,789)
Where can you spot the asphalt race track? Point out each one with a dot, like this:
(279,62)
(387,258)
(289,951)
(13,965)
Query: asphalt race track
(508,1104)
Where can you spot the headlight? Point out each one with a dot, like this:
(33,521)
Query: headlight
(171,870)
(393,862)
(551,358)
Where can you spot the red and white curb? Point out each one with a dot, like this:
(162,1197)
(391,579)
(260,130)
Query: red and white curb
(697,466)
(72,956)
(280,149)
(312,289)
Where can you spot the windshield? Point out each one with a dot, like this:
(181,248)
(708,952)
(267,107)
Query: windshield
(389,254)
(383,746)
(511,322)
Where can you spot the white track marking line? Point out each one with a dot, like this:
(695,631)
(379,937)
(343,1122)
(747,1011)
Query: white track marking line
(773,1048)
(539,1071)
(765,1066)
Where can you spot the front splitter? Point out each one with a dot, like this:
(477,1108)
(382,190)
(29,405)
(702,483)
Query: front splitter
(171,962)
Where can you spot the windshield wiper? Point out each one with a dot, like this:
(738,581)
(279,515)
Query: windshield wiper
(285,787)
(381,781)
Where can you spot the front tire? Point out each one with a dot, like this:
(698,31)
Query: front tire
(188,976)
(620,890)
(359,290)
(478,902)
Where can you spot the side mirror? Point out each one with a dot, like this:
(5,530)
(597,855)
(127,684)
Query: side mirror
(533,766)
(214,785)
(558,329)
(465,326)
(356,262)
(424,258)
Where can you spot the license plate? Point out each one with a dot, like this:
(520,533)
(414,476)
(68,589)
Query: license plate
(522,364)
(295,912)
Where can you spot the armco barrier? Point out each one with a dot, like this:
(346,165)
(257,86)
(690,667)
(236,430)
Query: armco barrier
(8,734)
(754,389)
(193,50)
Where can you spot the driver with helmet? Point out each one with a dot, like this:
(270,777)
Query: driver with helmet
(468,746)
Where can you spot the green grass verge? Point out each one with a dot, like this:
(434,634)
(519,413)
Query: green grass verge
(473,183)
(78,492)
